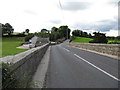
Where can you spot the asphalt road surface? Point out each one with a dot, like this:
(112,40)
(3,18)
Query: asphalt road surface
(75,68)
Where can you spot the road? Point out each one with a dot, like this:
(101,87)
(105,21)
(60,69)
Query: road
(75,68)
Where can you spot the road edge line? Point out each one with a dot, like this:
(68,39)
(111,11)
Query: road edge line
(97,68)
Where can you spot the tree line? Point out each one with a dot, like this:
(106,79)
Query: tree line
(56,34)
(80,33)
(97,38)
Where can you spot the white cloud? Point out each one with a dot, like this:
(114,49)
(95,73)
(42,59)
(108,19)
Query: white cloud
(111,33)
(38,14)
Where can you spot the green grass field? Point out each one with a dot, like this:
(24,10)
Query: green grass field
(113,41)
(82,39)
(9,45)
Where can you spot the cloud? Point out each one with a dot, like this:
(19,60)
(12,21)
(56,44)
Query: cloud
(55,21)
(111,33)
(106,25)
(113,2)
(75,6)
(77,14)
(102,26)
(29,12)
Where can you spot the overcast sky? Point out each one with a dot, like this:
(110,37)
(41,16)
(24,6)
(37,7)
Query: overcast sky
(87,15)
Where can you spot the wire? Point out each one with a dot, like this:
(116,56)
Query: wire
(62,11)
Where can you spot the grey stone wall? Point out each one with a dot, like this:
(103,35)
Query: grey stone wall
(24,65)
(111,49)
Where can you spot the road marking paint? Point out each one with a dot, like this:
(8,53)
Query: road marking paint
(98,68)
(66,49)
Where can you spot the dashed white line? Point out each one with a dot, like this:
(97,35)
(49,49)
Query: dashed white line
(97,68)
(66,50)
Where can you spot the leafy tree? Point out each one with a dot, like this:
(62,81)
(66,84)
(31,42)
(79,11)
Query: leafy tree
(7,28)
(89,35)
(44,30)
(99,38)
(64,31)
(58,34)
(85,34)
(118,38)
(76,33)
(54,29)
(27,30)
(111,37)
(80,33)
(3,29)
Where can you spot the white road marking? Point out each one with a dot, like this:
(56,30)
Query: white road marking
(98,68)
(66,50)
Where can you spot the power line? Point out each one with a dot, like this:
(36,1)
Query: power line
(62,11)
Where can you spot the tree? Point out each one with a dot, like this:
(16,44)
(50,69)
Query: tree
(99,38)
(7,28)
(85,34)
(89,35)
(80,33)
(3,29)
(54,29)
(27,30)
(77,33)
(44,30)
(69,33)
(64,31)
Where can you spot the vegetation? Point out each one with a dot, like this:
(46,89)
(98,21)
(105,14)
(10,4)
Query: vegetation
(8,79)
(81,39)
(28,37)
(9,45)
(7,29)
(27,30)
(113,38)
(11,40)
(113,42)
(99,38)
(80,33)
(39,34)
(60,33)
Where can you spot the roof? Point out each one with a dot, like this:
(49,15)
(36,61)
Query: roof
(37,39)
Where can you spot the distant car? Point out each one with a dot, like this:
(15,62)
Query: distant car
(32,45)
(53,43)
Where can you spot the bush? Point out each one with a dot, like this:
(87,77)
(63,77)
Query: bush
(8,79)
(99,38)
(100,41)
(72,38)
(27,38)
(20,35)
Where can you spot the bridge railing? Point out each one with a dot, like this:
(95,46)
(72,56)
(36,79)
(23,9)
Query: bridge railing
(22,67)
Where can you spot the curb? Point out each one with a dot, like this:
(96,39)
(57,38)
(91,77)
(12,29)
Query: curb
(104,54)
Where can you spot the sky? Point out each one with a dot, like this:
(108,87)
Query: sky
(86,15)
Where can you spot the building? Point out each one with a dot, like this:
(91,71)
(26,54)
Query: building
(38,41)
